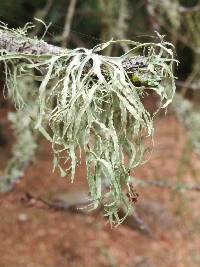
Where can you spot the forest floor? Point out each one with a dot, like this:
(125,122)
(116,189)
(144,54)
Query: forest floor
(34,235)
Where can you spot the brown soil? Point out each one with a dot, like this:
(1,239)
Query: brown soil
(34,235)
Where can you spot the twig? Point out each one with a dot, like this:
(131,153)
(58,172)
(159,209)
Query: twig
(167,185)
(188,85)
(64,203)
(121,27)
(68,22)
(68,201)
(189,9)
(41,14)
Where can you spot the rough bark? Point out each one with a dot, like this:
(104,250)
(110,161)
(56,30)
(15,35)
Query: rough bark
(26,45)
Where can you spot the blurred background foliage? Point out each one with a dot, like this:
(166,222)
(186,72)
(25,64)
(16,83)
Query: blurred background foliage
(95,21)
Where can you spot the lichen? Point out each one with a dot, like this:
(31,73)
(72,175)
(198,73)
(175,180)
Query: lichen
(88,104)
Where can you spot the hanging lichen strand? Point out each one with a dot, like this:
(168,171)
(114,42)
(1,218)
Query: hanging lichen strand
(91,103)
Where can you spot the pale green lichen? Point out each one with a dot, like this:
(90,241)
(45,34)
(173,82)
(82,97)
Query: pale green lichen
(22,124)
(91,105)
(189,116)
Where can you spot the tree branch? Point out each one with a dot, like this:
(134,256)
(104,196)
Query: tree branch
(183,9)
(26,45)
(22,44)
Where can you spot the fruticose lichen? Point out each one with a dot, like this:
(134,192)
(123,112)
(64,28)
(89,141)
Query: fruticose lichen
(90,108)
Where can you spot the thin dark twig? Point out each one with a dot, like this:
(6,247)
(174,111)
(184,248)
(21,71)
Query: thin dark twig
(188,85)
(167,185)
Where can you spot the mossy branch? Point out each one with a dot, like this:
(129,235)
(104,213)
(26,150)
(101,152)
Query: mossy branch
(20,43)
(92,103)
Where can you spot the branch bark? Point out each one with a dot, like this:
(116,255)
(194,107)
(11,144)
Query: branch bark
(26,45)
